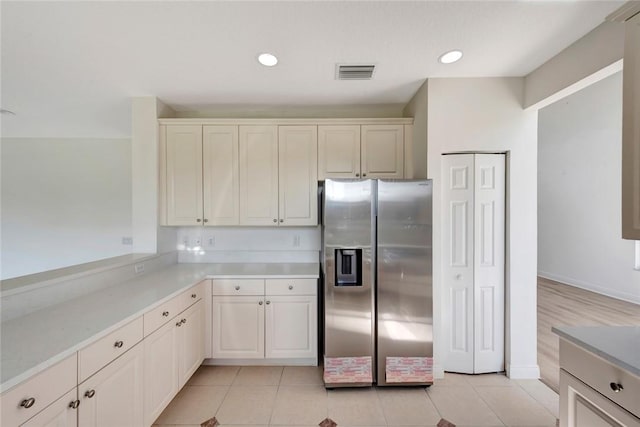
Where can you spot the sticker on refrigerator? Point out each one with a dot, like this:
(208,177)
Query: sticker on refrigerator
(340,370)
(409,369)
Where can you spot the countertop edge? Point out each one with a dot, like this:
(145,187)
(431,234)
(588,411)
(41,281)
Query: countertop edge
(598,352)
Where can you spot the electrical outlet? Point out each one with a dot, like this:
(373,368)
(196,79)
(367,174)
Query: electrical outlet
(296,241)
(211,241)
(197,241)
(127,240)
(139,268)
(185,241)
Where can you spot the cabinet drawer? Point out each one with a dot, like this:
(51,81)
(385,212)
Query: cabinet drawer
(600,374)
(103,351)
(161,315)
(191,296)
(44,389)
(291,286)
(238,287)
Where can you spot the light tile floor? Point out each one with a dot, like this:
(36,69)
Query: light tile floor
(295,396)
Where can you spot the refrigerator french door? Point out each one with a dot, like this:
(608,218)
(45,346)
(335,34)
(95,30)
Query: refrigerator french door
(377,269)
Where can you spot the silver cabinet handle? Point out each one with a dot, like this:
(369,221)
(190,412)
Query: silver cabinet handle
(275,220)
(290,287)
(282,220)
(165,313)
(616,387)
(193,295)
(28,403)
(74,404)
(198,220)
(259,302)
(357,175)
(179,323)
(206,220)
(183,321)
(118,344)
(237,288)
(89,393)
(268,302)
(364,174)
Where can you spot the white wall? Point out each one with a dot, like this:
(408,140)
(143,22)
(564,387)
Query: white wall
(579,169)
(486,115)
(417,108)
(64,202)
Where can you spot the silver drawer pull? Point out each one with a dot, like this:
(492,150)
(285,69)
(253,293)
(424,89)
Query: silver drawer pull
(193,295)
(89,393)
(237,288)
(183,321)
(259,302)
(28,403)
(74,404)
(165,313)
(179,323)
(268,302)
(616,387)
(118,344)
(290,287)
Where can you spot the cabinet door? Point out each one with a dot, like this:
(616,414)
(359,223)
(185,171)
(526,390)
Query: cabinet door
(338,151)
(582,406)
(160,370)
(291,327)
(238,327)
(184,175)
(258,175)
(631,131)
(382,151)
(221,177)
(298,169)
(190,342)
(117,398)
(59,414)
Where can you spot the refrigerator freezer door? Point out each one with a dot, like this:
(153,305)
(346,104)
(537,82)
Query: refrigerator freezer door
(349,310)
(404,279)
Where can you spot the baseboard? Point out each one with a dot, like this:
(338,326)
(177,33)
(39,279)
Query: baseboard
(523,372)
(438,371)
(262,362)
(634,299)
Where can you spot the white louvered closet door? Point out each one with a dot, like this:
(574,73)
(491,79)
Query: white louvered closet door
(473,197)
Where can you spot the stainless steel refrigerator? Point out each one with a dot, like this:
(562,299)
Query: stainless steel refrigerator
(377,250)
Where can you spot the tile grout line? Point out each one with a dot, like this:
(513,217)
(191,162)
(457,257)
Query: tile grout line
(426,391)
(275,398)
(541,404)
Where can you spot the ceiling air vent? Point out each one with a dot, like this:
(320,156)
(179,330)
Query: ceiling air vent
(354,72)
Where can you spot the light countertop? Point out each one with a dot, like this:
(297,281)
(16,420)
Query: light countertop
(619,345)
(34,342)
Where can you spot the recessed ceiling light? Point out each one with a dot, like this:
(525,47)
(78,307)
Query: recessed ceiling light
(267,59)
(450,57)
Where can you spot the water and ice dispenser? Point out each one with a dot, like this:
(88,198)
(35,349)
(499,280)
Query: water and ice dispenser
(348,267)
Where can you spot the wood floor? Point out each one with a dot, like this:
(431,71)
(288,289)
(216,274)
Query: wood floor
(560,304)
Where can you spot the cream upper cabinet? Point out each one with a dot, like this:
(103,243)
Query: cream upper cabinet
(114,395)
(258,175)
(338,151)
(367,151)
(382,151)
(298,175)
(631,132)
(183,145)
(221,175)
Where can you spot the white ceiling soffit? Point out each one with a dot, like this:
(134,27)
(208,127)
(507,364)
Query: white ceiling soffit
(70,68)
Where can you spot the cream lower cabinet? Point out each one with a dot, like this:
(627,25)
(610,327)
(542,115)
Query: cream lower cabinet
(367,151)
(114,395)
(238,327)
(171,355)
(272,319)
(61,413)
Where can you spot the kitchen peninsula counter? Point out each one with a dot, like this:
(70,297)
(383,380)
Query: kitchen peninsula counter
(38,340)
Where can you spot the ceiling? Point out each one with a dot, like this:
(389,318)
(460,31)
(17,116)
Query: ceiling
(69,69)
